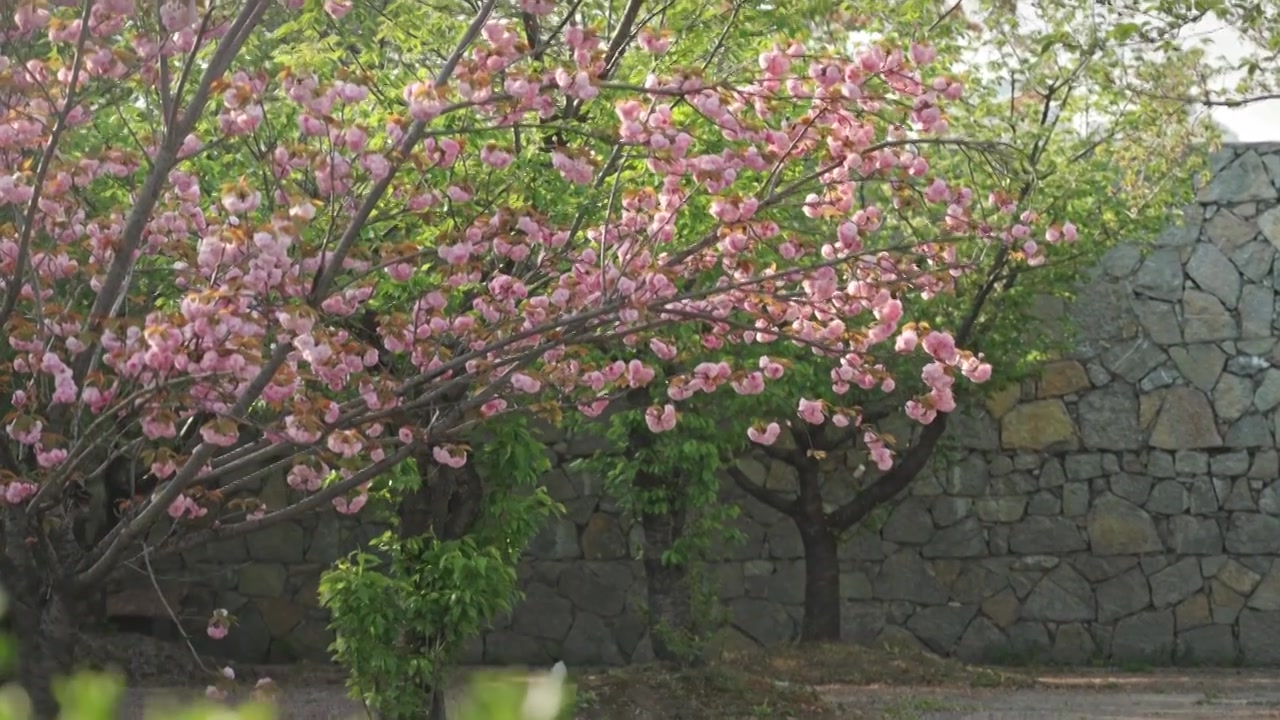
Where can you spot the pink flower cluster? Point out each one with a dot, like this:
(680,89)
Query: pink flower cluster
(244,281)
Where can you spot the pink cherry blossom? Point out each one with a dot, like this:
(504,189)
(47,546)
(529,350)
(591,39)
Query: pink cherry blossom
(449,456)
(333,267)
(812,411)
(660,419)
(767,436)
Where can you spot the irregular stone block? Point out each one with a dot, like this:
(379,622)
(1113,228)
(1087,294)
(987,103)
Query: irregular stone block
(558,540)
(967,478)
(1122,595)
(1199,364)
(1258,633)
(599,588)
(1266,596)
(1118,527)
(974,429)
(590,642)
(1168,497)
(1160,276)
(1194,535)
(1046,534)
(1083,466)
(1185,421)
(1212,646)
(1108,419)
(1269,223)
(1253,534)
(602,538)
(1205,318)
(1268,393)
(1003,608)
(1257,307)
(1134,488)
(904,576)
(1133,359)
(1232,396)
(1254,260)
(1214,273)
(1062,377)
(283,542)
(909,523)
(983,641)
(1176,582)
(1266,464)
(1250,431)
(262,579)
(1038,425)
(964,539)
(1238,577)
(1240,497)
(1193,612)
(948,510)
(1073,645)
(1028,640)
(1075,499)
(1144,637)
(1052,474)
(1230,464)
(1001,509)
(1229,231)
(941,626)
(1044,503)
(1061,596)
(1159,320)
(1241,181)
(544,616)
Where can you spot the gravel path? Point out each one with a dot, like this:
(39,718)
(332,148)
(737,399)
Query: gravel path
(1215,694)
(1218,695)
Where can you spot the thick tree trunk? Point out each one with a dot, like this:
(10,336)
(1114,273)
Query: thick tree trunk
(821,557)
(42,618)
(446,506)
(821,583)
(669,595)
(45,633)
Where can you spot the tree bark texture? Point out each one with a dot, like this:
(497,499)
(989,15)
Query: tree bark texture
(669,593)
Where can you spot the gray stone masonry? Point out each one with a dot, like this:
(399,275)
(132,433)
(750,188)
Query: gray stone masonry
(1124,506)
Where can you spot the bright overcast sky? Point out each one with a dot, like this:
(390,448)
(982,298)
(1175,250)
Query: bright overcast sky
(1258,122)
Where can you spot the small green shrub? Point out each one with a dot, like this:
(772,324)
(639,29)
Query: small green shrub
(402,613)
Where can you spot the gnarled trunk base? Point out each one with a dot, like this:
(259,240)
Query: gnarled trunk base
(669,592)
(45,635)
(821,584)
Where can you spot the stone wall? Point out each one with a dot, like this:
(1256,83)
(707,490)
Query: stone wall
(1124,506)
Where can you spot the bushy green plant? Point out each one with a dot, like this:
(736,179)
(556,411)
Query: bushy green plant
(402,612)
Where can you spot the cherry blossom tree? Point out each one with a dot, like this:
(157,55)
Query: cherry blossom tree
(245,237)
(1089,107)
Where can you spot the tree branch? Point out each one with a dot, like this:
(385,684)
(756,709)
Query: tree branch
(46,159)
(773,499)
(892,482)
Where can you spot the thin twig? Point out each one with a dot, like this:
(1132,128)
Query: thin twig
(146,558)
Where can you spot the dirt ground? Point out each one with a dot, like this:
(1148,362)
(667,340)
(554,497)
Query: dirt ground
(1213,694)
(1203,693)
(1065,696)
(827,683)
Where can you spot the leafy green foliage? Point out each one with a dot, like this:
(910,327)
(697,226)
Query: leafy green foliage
(401,612)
